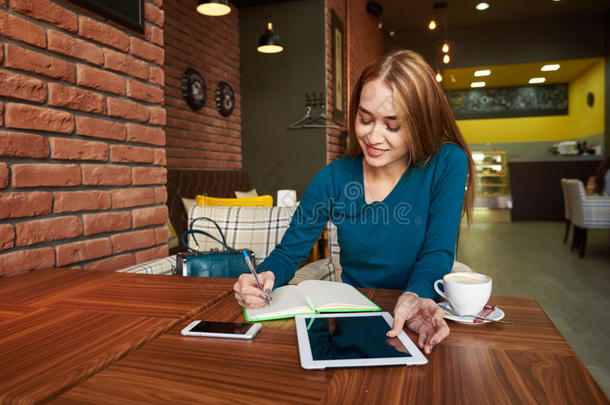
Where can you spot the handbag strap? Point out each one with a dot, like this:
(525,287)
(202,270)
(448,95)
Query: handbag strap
(222,235)
(194,231)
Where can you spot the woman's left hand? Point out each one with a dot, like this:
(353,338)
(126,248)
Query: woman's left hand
(422,316)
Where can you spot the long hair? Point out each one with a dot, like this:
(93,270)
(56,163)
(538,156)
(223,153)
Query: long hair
(422,109)
(600,176)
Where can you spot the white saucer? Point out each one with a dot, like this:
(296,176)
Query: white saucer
(496,315)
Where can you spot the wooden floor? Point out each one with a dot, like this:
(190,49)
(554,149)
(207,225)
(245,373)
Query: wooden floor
(530,259)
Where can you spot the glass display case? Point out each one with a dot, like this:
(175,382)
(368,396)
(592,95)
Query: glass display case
(493,181)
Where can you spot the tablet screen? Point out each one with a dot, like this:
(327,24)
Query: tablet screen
(344,338)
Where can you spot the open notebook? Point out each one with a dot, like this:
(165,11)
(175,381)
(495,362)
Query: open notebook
(325,296)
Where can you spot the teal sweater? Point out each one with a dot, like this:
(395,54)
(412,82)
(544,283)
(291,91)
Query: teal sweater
(406,242)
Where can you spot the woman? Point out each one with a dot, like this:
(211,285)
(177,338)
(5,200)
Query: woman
(602,178)
(396,198)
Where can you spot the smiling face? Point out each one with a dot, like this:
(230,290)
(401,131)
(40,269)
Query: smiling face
(377,128)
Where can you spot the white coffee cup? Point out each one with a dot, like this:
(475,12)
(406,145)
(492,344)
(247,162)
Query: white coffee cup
(466,292)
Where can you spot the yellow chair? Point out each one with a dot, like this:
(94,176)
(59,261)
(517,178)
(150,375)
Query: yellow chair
(260,201)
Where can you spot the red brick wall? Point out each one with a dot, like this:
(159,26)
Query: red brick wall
(363,43)
(210,45)
(82,176)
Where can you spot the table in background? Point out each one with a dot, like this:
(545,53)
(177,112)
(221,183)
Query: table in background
(482,364)
(59,327)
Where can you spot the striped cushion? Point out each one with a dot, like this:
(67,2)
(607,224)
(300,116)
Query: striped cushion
(587,211)
(165,266)
(257,228)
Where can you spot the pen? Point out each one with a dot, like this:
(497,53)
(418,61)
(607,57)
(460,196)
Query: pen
(251,267)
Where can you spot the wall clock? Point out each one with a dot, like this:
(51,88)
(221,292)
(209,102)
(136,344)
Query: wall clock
(193,89)
(225,99)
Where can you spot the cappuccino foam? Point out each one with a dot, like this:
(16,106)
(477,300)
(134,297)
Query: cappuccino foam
(467,279)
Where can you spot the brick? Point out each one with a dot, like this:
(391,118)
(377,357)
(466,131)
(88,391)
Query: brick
(48,229)
(99,128)
(76,98)
(21,261)
(77,48)
(38,118)
(7,236)
(149,175)
(150,254)
(32,61)
(154,14)
(157,2)
(72,201)
(1,110)
(103,33)
(160,195)
(157,116)
(124,63)
(146,51)
(100,79)
(20,29)
(43,174)
(159,157)
(113,263)
(18,205)
(124,153)
(157,76)
(154,35)
(132,197)
(145,134)
(161,235)
(77,149)
(127,109)
(23,87)
(23,145)
(144,92)
(106,175)
(125,242)
(47,11)
(106,222)
(4,174)
(81,251)
(149,216)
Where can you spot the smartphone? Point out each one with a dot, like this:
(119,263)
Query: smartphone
(235,330)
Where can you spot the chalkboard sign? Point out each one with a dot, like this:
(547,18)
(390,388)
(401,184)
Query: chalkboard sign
(127,12)
(504,102)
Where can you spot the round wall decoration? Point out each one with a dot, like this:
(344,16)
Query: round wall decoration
(225,99)
(193,89)
(590,99)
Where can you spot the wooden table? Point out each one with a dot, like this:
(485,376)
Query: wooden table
(131,351)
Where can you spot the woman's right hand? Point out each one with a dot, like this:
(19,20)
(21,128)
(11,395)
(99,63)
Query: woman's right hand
(247,292)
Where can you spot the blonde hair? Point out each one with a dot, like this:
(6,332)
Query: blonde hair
(422,109)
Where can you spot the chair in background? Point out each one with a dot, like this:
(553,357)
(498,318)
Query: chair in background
(566,209)
(586,212)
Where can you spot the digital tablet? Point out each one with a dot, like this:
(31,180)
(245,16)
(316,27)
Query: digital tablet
(353,340)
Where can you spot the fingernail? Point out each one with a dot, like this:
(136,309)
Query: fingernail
(434,322)
(434,342)
(262,296)
(268,291)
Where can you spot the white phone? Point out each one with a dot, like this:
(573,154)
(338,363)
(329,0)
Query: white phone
(234,330)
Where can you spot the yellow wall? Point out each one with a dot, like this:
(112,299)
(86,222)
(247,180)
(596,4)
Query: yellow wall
(581,121)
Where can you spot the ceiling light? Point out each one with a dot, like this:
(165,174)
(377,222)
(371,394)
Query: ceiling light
(477,84)
(482,6)
(445,47)
(380,25)
(214,8)
(446,59)
(269,42)
(550,68)
(439,77)
(535,80)
(485,72)
(432,24)
(392,33)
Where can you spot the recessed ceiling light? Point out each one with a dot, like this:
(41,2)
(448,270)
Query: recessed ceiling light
(535,80)
(550,68)
(392,33)
(482,6)
(477,84)
(480,73)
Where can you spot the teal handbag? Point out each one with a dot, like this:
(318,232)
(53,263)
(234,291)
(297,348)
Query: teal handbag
(227,263)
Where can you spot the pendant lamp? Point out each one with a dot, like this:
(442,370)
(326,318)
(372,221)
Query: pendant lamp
(214,8)
(269,42)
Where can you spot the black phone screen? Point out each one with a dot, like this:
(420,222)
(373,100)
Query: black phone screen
(235,328)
